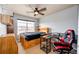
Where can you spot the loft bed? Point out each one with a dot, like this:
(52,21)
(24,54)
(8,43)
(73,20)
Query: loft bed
(30,39)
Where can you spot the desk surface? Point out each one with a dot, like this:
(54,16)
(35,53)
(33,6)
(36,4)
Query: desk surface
(7,35)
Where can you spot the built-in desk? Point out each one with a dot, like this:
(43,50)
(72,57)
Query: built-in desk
(8,44)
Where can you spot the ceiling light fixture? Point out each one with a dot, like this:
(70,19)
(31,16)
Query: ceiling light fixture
(36,12)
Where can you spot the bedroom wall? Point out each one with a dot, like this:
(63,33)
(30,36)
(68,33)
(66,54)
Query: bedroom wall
(3,29)
(78,31)
(61,21)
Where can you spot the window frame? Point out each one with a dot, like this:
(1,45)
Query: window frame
(26,25)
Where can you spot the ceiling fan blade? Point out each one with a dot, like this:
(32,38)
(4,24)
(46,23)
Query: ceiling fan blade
(41,13)
(43,9)
(36,9)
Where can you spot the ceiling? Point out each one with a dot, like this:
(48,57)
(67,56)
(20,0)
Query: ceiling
(23,9)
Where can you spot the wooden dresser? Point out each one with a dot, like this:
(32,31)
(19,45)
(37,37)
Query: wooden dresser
(44,29)
(8,44)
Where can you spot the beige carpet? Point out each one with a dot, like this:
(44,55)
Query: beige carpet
(20,49)
(33,50)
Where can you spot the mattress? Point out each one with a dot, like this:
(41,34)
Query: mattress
(32,35)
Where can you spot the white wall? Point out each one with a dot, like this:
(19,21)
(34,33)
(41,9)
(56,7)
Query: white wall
(3,29)
(6,11)
(78,31)
(61,21)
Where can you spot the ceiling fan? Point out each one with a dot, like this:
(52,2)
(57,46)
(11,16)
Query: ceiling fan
(36,10)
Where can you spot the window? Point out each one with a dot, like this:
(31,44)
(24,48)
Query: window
(25,26)
(31,26)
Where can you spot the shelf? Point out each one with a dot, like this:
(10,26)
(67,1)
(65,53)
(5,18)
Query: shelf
(45,44)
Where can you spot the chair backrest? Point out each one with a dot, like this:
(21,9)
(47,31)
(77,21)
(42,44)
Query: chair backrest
(70,36)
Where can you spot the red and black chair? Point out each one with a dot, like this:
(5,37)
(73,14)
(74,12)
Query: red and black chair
(65,43)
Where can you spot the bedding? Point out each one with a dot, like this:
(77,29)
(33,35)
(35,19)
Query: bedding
(32,35)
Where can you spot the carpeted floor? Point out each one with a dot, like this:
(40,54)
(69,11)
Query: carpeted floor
(33,50)
(20,49)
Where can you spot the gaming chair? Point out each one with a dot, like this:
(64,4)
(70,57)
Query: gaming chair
(65,43)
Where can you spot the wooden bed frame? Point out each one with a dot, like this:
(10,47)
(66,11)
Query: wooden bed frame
(28,44)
